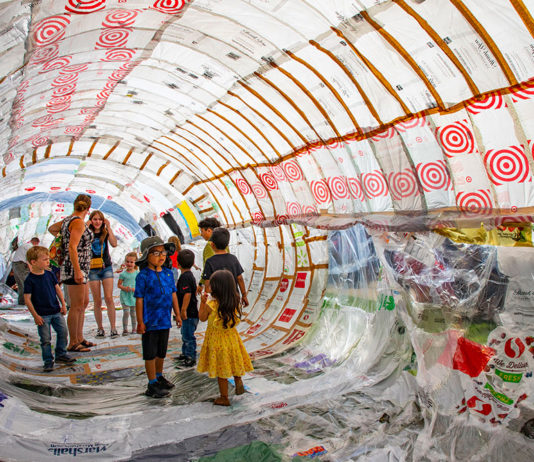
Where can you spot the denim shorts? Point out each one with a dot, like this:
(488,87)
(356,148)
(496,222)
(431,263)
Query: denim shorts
(101,274)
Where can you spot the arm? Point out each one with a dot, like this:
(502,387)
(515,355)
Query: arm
(55,228)
(76,230)
(176,310)
(139,313)
(204,309)
(59,294)
(28,301)
(185,304)
(112,239)
(121,287)
(241,284)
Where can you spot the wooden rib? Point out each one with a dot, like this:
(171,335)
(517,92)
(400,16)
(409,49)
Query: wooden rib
(198,199)
(34,156)
(176,175)
(184,160)
(259,114)
(190,187)
(4,172)
(125,161)
(111,150)
(479,29)
(440,43)
(272,108)
(90,153)
(21,162)
(210,209)
(402,51)
(524,14)
(162,167)
(378,75)
(147,158)
(307,92)
(47,152)
(364,96)
(71,146)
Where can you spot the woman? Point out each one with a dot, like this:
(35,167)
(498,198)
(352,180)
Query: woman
(101,273)
(174,257)
(76,247)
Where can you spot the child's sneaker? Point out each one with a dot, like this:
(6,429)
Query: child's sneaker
(48,367)
(189,362)
(114,334)
(100,333)
(164,383)
(154,390)
(125,333)
(65,359)
(182,358)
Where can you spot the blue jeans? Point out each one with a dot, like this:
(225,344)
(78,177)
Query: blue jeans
(57,322)
(189,341)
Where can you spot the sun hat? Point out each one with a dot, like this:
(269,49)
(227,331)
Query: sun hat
(150,243)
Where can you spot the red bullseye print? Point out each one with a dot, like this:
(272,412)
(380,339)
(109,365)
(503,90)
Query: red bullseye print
(50,30)
(268,181)
(524,93)
(338,186)
(257,218)
(65,79)
(320,192)
(309,210)
(278,173)
(39,140)
(411,123)
(74,130)
(84,6)
(293,209)
(243,186)
(64,90)
(508,165)
(456,138)
(56,63)
(434,176)
(119,54)
(170,6)
(116,37)
(43,121)
(281,219)
(386,134)
(59,104)
(259,191)
(403,184)
(76,68)
(476,201)
(487,102)
(292,170)
(43,54)
(120,18)
(355,187)
(374,184)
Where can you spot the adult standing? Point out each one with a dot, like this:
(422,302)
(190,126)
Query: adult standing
(20,265)
(101,273)
(76,248)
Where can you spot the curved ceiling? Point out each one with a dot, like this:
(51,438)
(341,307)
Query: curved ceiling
(266,111)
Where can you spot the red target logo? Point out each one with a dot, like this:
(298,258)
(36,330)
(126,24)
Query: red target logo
(310,210)
(259,191)
(257,218)
(170,6)
(64,90)
(456,138)
(119,54)
(292,170)
(116,37)
(320,191)
(120,18)
(524,92)
(243,186)
(355,188)
(268,181)
(281,219)
(39,140)
(374,184)
(508,165)
(42,54)
(434,176)
(514,347)
(76,68)
(56,63)
(84,6)
(45,121)
(74,130)
(65,79)
(403,184)
(411,123)
(277,172)
(50,30)
(386,134)
(338,186)
(476,201)
(293,209)
(492,100)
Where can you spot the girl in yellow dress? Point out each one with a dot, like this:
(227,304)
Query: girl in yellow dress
(223,354)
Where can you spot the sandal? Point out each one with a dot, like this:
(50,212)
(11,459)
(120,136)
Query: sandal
(79,348)
(221,401)
(87,344)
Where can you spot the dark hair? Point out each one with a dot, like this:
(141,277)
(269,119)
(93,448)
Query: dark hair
(82,202)
(186,258)
(103,229)
(220,238)
(209,223)
(224,290)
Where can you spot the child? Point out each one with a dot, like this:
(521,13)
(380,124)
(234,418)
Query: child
(155,295)
(223,354)
(220,238)
(41,293)
(126,285)
(187,301)
(206,226)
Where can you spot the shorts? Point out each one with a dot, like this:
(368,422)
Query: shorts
(71,282)
(155,344)
(101,274)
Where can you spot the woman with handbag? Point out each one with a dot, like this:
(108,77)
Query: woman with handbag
(76,241)
(101,273)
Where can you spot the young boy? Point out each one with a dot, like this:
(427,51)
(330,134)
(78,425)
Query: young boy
(41,293)
(155,295)
(206,230)
(220,238)
(187,301)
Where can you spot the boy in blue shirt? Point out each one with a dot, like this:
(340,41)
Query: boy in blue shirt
(41,293)
(155,295)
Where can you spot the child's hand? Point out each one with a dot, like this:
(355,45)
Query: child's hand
(244,300)
(38,320)
(178,322)
(141,328)
(184,314)
(204,297)
(199,289)
(63,309)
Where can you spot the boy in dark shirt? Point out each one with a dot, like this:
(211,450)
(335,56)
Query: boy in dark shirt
(220,239)
(187,302)
(41,293)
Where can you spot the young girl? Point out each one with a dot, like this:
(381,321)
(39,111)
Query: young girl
(127,286)
(223,354)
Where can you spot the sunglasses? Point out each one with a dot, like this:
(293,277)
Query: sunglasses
(157,253)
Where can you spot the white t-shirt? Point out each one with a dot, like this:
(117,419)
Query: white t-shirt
(20,253)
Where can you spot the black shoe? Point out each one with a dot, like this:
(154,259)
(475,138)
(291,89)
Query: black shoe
(154,390)
(164,383)
(48,367)
(189,362)
(65,359)
(182,357)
